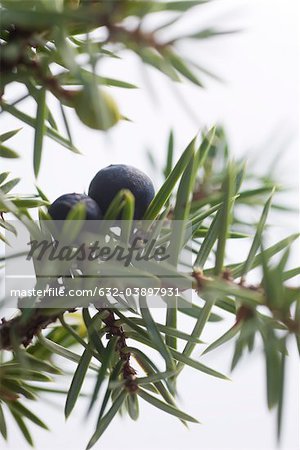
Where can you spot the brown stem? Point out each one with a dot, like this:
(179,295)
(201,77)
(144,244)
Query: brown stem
(129,374)
(118,33)
(18,331)
(48,81)
(26,42)
(246,312)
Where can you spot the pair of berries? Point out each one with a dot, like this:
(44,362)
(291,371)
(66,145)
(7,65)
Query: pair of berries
(103,188)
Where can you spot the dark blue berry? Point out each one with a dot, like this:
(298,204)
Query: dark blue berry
(110,180)
(61,207)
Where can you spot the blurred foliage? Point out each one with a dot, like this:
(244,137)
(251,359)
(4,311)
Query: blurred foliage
(43,44)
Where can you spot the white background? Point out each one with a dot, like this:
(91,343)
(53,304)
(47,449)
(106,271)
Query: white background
(258,104)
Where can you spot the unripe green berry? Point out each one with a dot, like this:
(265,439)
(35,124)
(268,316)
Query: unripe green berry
(98,112)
